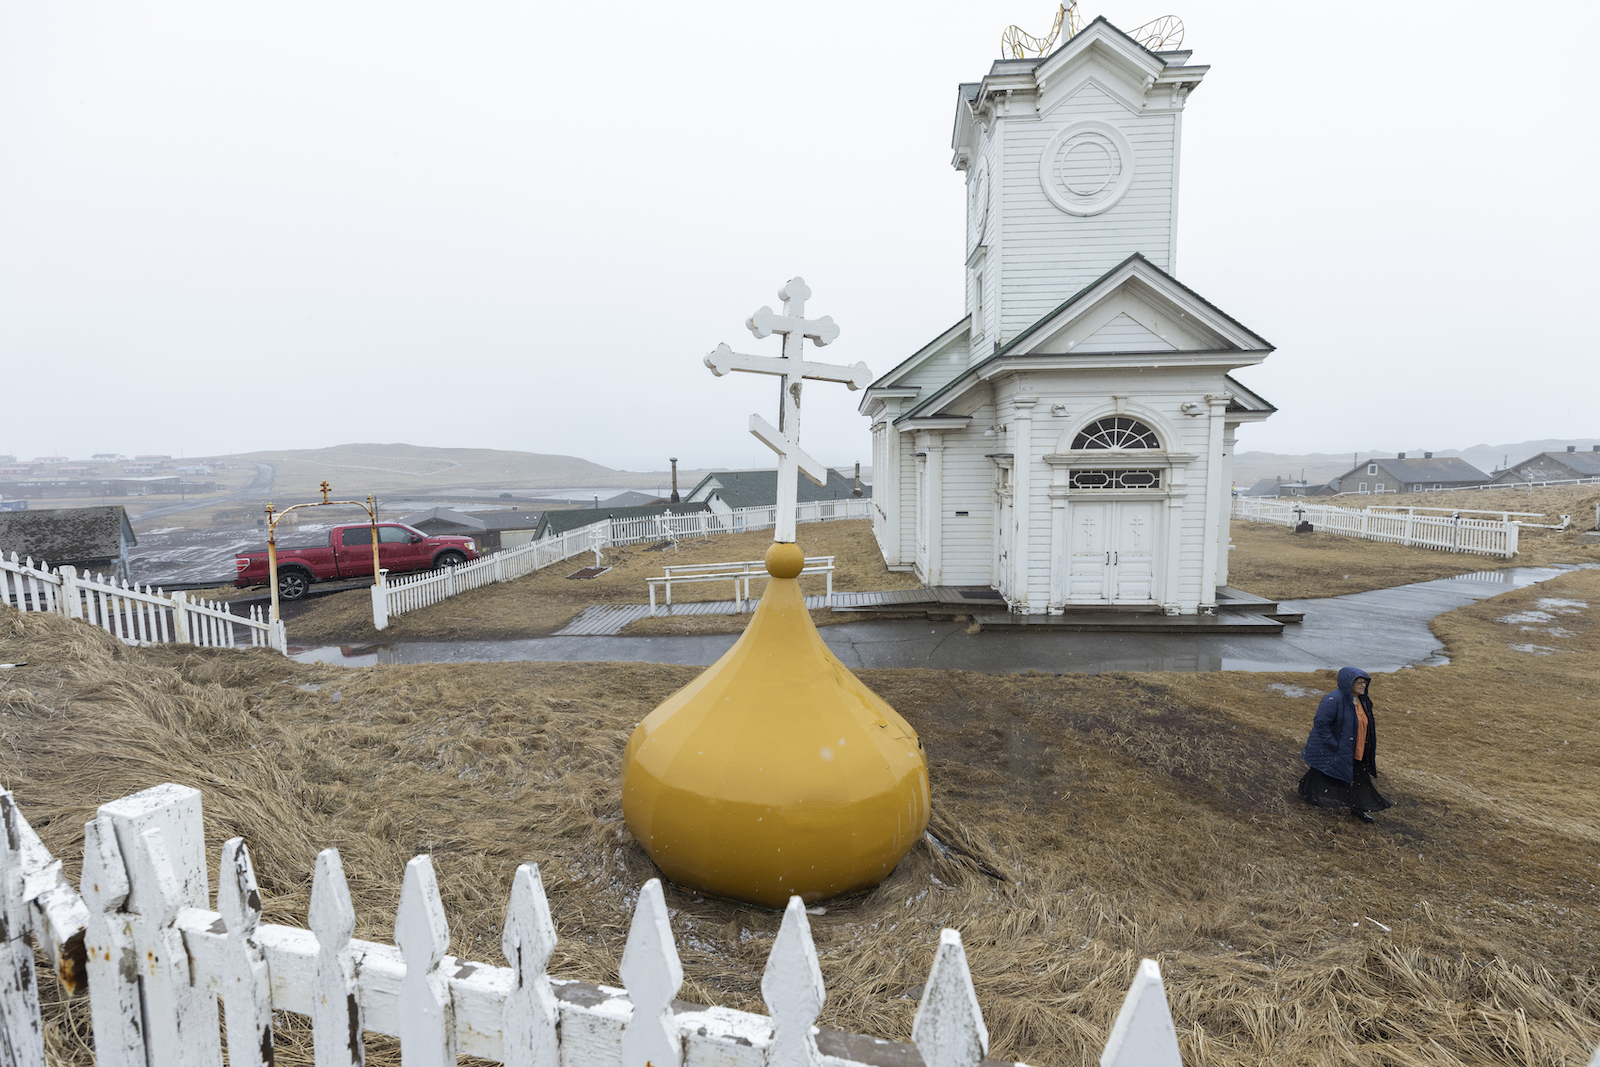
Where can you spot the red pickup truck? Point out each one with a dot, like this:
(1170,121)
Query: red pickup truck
(348,554)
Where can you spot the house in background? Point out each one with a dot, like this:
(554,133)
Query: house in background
(727,491)
(1554,467)
(94,540)
(1277,487)
(1402,475)
(556,523)
(491,531)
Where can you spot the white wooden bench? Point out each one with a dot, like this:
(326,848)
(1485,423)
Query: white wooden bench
(738,573)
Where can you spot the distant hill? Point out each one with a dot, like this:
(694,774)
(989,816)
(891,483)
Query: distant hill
(1251,467)
(355,470)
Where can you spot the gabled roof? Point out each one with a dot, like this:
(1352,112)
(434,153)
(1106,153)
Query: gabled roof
(559,522)
(920,356)
(1583,464)
(514,520)
(454,518)
(1243,340)
(1442,470)
(754,489)
(66,535)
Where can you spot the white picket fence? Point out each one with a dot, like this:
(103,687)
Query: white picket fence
(133,615)
(154,960)
(396,596)
(1401,526)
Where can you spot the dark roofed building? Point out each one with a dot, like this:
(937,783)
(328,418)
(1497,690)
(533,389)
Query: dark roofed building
(491,531)
(1567,466)
(728,490)
(94,540)
(1402,475)
(556,523)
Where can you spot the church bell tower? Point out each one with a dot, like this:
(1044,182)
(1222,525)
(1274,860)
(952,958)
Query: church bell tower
(1072,166)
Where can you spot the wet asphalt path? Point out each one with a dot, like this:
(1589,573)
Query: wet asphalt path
(1380,631)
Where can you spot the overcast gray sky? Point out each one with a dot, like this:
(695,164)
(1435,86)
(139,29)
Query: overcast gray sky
(238,226)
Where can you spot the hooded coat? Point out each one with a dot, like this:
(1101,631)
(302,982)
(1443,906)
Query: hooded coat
(1331,748)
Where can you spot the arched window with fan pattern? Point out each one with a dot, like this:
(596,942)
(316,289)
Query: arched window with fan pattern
(1118,432)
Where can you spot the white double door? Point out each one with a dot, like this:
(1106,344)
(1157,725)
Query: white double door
(1113,547)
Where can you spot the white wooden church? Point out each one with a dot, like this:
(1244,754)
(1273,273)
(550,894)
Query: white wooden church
(1069,441)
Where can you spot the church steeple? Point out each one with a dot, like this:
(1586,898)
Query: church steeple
(1072,166)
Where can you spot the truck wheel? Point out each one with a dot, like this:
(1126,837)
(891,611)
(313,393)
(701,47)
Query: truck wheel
(450,559)
(292,585)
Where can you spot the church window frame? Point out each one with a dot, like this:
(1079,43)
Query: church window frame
(1116,432)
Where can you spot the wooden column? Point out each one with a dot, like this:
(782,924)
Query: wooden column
(1216,492)
(1229,436)
(933,507)
(1021,492)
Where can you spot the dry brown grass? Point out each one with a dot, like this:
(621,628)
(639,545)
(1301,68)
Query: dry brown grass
(1133,815)
(1275,562)
(546,600)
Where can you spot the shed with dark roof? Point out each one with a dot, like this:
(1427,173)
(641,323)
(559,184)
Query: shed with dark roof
(94,539)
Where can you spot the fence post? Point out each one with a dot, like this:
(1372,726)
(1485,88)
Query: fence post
(791,987)
(23,1030)
(180,617)
(1411,520)
(380,601)
(161,837)
(449,581)
(247,992)
(113,974)
(71,599)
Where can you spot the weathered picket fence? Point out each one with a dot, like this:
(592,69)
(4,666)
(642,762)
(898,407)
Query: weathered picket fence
(131,614)
(1483,537)
(396,596)
(154,960)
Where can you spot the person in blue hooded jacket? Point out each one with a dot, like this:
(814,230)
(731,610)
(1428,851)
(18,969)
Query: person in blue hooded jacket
(1342,750)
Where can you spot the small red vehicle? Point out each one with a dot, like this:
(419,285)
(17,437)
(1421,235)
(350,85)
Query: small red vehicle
(348,554)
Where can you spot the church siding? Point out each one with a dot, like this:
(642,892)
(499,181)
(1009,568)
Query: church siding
(968,487)
(1049,252)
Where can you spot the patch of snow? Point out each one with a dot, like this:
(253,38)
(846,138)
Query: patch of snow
(1291,690)
(1535,650)
(1526,616)
(1561,606)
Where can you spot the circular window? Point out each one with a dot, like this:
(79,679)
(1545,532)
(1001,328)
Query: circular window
(1116,432)
(1086,167)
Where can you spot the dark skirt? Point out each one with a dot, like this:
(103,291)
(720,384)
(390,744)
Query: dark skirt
(1317,788)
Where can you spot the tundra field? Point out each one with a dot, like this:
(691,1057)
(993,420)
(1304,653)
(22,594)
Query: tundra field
(1093,820)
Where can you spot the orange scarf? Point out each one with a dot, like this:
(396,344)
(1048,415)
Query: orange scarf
(1361,729)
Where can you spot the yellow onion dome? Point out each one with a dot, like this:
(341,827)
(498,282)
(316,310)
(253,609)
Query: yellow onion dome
(776,772)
